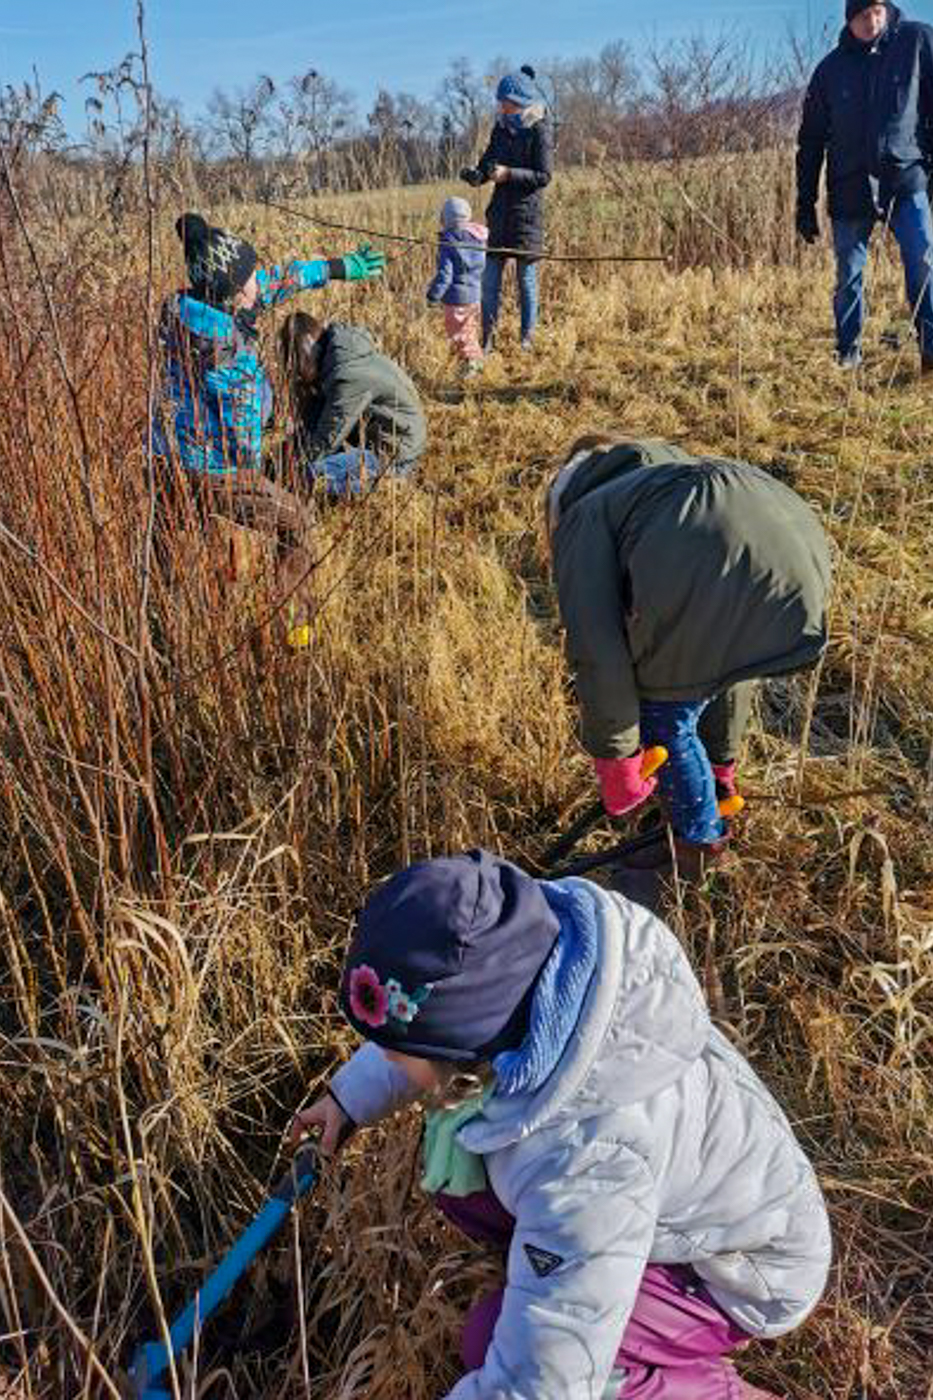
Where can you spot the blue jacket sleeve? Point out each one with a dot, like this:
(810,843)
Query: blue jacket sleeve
(811,143)
(278,284)
(444,275)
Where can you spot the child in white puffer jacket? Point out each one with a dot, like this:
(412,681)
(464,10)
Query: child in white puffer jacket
(657,1209)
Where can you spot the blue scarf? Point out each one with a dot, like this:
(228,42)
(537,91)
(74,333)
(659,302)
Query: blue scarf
(558,996)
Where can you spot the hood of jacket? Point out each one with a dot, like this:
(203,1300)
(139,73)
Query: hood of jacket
(200,318)
(346,345)
(529,116)
(642,1024)
(589,470)
(469,233)
(201,336)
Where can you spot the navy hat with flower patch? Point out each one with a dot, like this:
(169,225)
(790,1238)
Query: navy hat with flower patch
(445,958)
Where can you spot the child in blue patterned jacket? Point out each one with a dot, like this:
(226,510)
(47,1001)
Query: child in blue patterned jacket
(216,397)
(461,259)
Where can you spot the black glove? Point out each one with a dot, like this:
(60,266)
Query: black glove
(471,175)
(808,225)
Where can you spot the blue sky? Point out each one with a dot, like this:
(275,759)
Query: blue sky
(400,44)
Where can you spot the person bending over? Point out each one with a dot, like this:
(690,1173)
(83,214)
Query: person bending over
(586,1118)
(356,412)
(680,580)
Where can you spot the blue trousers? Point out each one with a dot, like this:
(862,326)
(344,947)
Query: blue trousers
(527,294)
(345,473)
(912,226)
(686,780)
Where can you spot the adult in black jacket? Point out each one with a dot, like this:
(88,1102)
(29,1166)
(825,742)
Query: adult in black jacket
(518,161)
(869,112)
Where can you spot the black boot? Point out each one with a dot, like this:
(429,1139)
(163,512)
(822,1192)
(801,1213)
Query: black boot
(643,874)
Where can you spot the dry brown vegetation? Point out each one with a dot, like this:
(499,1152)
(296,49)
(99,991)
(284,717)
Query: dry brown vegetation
(190,813)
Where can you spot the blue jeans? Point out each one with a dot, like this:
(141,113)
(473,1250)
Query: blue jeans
(686,780)
(527,294)
(345,473)
(912,226)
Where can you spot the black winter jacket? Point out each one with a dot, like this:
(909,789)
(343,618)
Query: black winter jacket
(869,111)
(515,213)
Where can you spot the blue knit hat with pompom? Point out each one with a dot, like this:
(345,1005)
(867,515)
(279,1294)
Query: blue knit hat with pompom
(515,87)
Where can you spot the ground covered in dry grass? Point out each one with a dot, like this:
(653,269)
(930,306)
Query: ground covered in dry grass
(189,814)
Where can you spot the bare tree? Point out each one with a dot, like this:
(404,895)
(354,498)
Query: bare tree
(620,79)
(384,120)
(803,47)
(590,100)
(464,99)
(709,95)
(242,121)
(315,113)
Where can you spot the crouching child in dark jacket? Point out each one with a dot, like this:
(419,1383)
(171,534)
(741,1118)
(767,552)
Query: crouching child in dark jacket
(680,580)
(457,282)
(357,413)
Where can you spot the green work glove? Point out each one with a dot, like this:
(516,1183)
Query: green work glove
(365,262)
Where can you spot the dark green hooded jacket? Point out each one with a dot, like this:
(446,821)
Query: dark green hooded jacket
(677,577)
(363,399)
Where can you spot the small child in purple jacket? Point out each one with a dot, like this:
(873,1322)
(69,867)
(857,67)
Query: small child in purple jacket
(461,258)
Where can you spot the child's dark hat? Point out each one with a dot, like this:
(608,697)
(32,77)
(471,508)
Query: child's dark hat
(445,958)
(219,264)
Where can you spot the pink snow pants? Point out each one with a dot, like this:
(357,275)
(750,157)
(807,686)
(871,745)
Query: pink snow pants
(674,1341)
(462,326)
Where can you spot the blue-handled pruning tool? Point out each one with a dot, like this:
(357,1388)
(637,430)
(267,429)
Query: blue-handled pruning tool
(151,1362)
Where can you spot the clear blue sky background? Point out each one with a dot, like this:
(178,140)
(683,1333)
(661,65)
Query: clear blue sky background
(404,45)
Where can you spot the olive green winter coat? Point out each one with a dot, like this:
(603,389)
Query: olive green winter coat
(678,577)
(362,399)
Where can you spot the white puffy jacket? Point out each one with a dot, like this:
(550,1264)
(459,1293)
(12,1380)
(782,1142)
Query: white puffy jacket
(652,1141)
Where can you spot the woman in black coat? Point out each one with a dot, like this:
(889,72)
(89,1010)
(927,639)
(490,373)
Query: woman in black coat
(518,161)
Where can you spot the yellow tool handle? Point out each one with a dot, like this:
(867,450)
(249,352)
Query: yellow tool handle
(653,760)
(731,806)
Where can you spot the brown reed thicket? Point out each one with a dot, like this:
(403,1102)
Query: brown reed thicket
(190,814)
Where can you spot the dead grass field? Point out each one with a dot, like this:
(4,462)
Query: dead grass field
(187,825)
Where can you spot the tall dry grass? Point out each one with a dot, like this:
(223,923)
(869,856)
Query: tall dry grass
(190,814)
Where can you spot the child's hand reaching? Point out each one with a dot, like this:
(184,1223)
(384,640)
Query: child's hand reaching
(500,174)
(327,1115)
